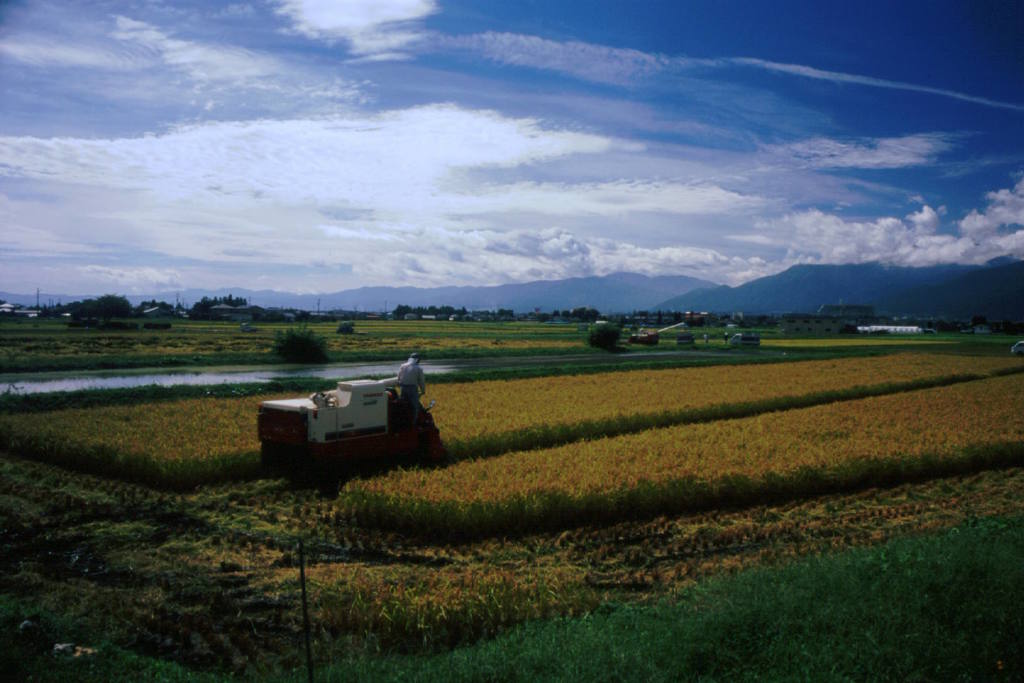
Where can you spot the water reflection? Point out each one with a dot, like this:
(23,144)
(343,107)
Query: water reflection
(18,385)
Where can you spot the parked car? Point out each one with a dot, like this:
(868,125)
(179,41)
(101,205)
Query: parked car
(1018,348)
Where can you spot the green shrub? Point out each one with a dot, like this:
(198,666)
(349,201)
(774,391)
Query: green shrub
(301,345)
(604,337)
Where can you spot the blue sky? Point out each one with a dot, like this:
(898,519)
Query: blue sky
(313,146)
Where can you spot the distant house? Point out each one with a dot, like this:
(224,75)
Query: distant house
(155,312)
(7,308)
(238,314)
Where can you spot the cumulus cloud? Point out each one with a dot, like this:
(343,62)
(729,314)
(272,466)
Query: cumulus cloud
(379,29)
(544,254)
(1005,209)
(818,237)
(926,221)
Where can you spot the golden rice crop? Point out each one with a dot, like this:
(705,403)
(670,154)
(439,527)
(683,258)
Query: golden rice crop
(190,436)
(937,424)
(470,411)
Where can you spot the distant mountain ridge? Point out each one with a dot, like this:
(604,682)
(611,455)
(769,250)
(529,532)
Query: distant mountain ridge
(617,292)
(995,290)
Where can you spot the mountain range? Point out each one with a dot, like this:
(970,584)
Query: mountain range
(995,290)
(608,293)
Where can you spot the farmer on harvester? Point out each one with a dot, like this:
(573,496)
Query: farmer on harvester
(412,382)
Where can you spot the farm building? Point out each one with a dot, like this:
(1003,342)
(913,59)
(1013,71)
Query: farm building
(851,311)
(816,325)
(889,329)
(237,314)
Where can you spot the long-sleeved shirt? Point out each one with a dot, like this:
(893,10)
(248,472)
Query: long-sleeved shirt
(411,374)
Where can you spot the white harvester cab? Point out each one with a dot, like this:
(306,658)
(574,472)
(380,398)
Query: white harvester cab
(356,408)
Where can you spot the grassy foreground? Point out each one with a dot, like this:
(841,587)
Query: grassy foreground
(946,606)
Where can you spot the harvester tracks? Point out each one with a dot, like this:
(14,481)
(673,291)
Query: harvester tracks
(210,578)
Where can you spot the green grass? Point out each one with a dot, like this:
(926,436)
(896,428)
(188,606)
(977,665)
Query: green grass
(940,607)
(26,652)
(945,607)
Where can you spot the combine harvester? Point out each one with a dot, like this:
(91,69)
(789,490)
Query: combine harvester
(325,435)
(651,338)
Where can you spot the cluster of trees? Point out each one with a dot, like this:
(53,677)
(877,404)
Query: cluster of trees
(581,313)
(201,310)
(402,310)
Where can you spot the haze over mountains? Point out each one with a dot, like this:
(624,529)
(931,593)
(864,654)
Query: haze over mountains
(609,293)
(995,290)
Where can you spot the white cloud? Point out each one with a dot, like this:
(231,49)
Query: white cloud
(900,152)
(43,51)
(202,62)
(396,161)
(617,198)
(604,64)
(135,279)
(546,254)
(926,220)
(1005,208)
(817,237)
(586,61)
(372,28)
(839,77)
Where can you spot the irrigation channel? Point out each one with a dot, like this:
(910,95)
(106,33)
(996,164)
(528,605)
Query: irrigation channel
(42,382)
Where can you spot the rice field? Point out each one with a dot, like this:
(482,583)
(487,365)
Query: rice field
(894,437)
(192,441)
(567,495)
(52,341)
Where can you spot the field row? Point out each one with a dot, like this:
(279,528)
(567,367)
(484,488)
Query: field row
(798,452)
(188,442)
(53,341)
(492,417)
